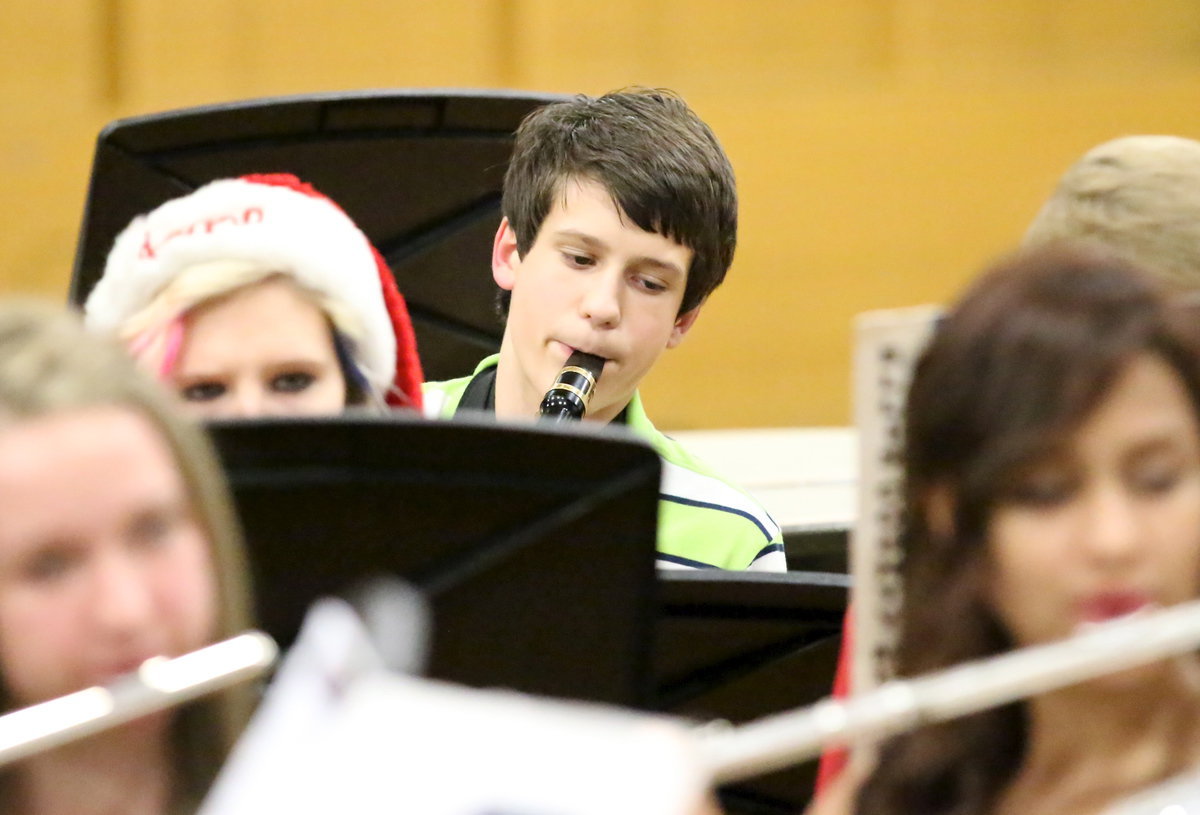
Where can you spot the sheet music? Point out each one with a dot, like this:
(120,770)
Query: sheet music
(337,733)
(333,649)
(1178,796)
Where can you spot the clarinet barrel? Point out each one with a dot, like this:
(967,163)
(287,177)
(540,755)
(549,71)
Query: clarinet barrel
(568,397)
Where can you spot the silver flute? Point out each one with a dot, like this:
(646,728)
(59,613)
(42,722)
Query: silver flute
(904,704)
(158,684)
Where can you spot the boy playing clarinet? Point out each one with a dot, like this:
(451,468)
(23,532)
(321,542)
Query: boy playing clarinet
(620,218)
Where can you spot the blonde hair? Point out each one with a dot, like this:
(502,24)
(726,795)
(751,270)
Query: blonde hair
(49,364)
(1137,196)
(154,334)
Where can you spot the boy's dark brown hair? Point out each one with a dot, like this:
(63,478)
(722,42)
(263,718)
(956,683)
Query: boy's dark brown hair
(662,165)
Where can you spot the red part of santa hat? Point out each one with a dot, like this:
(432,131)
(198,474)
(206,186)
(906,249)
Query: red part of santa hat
(281,222)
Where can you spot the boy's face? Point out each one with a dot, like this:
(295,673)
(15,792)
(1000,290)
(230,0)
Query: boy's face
(592,281)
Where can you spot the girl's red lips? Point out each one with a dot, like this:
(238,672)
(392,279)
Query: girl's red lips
(1110,605)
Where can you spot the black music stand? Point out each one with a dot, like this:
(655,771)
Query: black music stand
(420,171)
(534,546)
(742,645)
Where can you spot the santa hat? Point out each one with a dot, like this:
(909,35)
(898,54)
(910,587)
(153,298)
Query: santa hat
(281,223)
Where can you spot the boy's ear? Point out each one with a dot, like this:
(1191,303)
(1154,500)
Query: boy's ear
(683,324)
(505,256)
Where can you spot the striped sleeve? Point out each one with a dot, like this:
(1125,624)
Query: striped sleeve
(706,522)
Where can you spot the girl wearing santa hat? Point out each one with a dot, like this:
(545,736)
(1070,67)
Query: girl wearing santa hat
(259,296)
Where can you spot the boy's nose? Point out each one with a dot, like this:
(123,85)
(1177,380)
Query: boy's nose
(601,302)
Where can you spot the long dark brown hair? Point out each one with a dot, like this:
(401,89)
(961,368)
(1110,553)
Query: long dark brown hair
(1021,361)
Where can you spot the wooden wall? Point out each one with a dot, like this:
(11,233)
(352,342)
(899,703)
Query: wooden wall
(885,149)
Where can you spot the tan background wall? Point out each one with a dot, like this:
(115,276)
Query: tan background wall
(885,148)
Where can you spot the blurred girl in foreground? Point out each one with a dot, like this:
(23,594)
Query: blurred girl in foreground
(1053,481)
(117,543)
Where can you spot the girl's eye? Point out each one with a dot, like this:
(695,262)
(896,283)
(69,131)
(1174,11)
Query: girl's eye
(1039,495)
(203,392)
(1155,480)
(151,529)
(292,382)
(652,285)
(1040,491)
(48,564)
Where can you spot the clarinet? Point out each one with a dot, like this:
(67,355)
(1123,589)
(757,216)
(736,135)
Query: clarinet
(568,397)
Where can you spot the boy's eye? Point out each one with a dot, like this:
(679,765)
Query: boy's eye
(203,392)
(651,284)
(292,382)
(578,261)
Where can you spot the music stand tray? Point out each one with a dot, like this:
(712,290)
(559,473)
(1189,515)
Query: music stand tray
(737,646)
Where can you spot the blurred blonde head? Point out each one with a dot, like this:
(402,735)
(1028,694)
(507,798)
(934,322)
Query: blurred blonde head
(1137,196)
(50,365)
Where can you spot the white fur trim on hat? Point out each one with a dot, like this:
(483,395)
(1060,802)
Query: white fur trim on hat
(300,235)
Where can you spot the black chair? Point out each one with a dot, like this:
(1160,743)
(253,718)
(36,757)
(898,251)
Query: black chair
(420,171)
